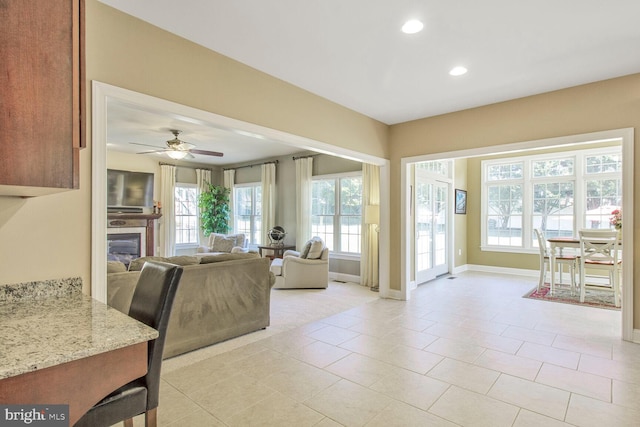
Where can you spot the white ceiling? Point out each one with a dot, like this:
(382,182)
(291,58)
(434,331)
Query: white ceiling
(353,52)
(133,123)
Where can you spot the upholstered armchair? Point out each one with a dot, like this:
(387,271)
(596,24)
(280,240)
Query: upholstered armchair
(292,271)
(224,243)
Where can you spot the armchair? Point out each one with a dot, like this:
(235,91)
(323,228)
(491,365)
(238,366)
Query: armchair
(294,272)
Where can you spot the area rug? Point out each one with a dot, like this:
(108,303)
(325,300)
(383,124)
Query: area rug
(593,297)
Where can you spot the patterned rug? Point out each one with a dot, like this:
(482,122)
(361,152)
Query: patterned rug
(592,298)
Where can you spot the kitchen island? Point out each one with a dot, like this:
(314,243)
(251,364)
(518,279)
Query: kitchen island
(58,346)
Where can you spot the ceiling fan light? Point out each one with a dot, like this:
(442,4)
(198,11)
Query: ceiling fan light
(412,26)
(177,154)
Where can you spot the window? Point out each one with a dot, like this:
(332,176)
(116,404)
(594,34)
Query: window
(337,211)
(186,213)
(558,193)
(248,211)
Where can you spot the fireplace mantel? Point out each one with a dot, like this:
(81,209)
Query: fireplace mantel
(125,215)
(123,219)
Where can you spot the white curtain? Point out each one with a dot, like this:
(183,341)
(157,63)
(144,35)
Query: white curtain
(167,198)
(203,179)
(268,198)
(304,168)
(369,275)
(229,181)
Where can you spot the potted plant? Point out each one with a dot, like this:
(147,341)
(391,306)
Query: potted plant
(214,209)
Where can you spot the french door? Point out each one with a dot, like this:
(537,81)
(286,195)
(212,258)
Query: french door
(431,227)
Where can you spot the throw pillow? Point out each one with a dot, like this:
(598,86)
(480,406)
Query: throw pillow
(136,264)
(212,239)
(317,246)
(305,250)
(240,240)
(115,267)
(223,244)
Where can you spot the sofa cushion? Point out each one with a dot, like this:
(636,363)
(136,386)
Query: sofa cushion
(227,257)
(276,266)
(115,267)
(136,264)
(316,248)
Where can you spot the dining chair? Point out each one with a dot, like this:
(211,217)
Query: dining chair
(599,250)
(570,260)
(151,304)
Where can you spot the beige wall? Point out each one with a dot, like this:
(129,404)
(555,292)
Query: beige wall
(123,51)
(610,104)
(55,230)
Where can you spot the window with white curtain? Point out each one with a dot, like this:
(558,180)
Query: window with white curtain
(559,193)
(337,211)
(248,211)
(186,214)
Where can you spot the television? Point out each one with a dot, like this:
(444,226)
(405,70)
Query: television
(129,191)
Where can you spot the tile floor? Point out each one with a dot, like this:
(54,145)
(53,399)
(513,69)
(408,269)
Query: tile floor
(467,351)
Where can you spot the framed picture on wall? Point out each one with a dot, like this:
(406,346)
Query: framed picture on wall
(461,201)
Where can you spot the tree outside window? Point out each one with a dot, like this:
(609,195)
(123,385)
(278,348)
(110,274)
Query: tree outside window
(337,212)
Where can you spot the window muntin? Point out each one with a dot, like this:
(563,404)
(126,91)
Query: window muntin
(560,193)
(336,211)
(186,214)
(248,211)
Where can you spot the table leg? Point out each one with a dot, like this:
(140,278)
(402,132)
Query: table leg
(552,269)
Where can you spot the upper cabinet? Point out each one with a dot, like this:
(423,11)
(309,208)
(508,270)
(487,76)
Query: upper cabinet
(41,95)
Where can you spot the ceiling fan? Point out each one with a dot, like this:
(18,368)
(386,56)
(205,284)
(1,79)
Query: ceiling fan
(178,149)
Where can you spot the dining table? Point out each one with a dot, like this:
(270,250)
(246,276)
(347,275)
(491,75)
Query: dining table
(59,346)
(556,247)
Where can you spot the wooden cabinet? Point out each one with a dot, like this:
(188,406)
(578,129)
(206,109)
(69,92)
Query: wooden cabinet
(41,95)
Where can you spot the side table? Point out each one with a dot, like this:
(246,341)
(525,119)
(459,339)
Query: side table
(278,250)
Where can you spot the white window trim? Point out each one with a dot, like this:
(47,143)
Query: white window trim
(197,243)
(252,245)
(579,177)
(349,256)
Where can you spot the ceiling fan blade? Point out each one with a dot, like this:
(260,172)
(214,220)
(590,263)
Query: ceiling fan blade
(153,151)
(146,145)
(206,153)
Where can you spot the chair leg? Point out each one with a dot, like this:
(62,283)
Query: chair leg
(151,417)
(582,283)
(543,272)
(572,272)
(128,423)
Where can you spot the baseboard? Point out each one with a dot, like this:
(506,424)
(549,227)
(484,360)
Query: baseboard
(391,294)
(501,270)
(344,277)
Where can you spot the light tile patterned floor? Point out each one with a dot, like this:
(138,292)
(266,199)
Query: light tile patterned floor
(469,351)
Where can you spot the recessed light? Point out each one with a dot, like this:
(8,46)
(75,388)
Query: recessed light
(413,26)
(458,71)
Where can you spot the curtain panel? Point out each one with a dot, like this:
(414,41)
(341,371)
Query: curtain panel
(268,198)
(304,182)
(167,198)
(369,260)
(229,181)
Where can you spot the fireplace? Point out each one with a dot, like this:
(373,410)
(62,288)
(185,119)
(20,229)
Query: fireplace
(130,236)
(125,244)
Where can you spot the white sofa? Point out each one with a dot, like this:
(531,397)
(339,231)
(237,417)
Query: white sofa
(224,243)
(293,272)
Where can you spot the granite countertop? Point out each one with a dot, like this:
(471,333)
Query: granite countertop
(39,331)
